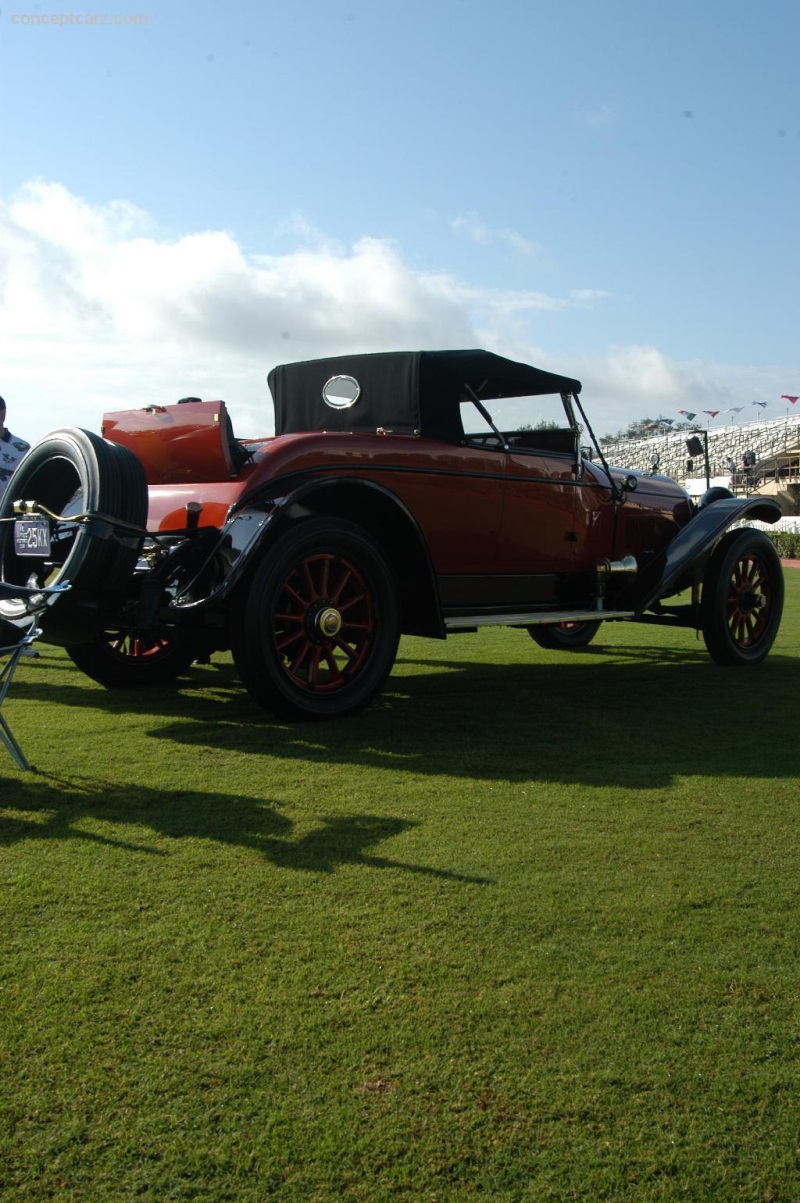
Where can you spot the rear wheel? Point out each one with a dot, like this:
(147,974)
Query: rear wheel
(566,636)
(124,660)
(316,631)
(742,598)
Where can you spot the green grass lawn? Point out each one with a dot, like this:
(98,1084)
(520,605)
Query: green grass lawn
(524,930)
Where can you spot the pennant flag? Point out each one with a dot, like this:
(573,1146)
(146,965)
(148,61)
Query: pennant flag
(712,413)
(763,404)
(651,426)
(786,397)
(686,414)
(734,409)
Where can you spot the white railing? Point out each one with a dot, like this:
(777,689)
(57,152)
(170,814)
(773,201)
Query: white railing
(791,525)
(765,439)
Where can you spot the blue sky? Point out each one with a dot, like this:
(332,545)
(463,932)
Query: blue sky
(191,193)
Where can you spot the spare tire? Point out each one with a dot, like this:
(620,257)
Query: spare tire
(73,473)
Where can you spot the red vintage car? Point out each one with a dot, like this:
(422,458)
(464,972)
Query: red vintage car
(397,495)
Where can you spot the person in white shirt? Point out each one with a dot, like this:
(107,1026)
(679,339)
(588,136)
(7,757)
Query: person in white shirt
(12,450)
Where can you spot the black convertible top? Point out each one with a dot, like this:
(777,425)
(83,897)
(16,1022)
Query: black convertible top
(403,391)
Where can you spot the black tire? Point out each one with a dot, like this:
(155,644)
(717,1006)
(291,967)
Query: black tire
(323,573)
(715,493)
(742,598)
(123,660)
(564,636)
(71,472)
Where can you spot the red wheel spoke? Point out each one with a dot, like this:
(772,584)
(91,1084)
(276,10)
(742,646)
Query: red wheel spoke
(350,652)
(285,641)
(331,662)
(312,659)
(324,590)
(301,601)
(312,675)
(294,667)
(291,616)
(738,627)
(309,582)
(749,601)
(347,575)
(356,627)
(361,598)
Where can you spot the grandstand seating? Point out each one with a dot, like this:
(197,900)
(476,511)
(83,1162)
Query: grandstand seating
(774,442)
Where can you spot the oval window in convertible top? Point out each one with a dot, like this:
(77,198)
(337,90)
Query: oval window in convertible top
(340,392)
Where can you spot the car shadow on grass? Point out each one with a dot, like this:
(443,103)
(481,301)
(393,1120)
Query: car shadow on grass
(48,808)
(637,722)
(636,717)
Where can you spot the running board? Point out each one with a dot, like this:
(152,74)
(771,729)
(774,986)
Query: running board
(537,618)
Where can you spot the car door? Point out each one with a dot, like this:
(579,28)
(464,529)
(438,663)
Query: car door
(538,538)
(456,495)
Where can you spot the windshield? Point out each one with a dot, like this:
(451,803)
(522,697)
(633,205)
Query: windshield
(511,414)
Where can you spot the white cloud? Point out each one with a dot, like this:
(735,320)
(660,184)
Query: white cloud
(98,312)
(471,225)
(518,242)
(477,231)
(603,114)
(633,382)
(585,296)
(630,382)
(643,371)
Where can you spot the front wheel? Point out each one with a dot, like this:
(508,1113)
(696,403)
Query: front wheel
(564,636)
(315,634)
(742,598)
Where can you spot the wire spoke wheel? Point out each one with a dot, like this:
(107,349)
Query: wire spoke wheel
(121,659)
(318,626)
(742,599)
(750,600)
(127,645)
(324,622)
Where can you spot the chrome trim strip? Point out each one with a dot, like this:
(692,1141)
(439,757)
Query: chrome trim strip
(537,618)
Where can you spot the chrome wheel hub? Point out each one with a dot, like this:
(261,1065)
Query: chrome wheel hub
(328,622)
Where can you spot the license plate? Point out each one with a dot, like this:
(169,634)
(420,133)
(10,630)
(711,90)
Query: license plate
(32,537)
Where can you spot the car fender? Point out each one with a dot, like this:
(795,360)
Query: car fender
(691,547)
(260,518)
(393,526)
